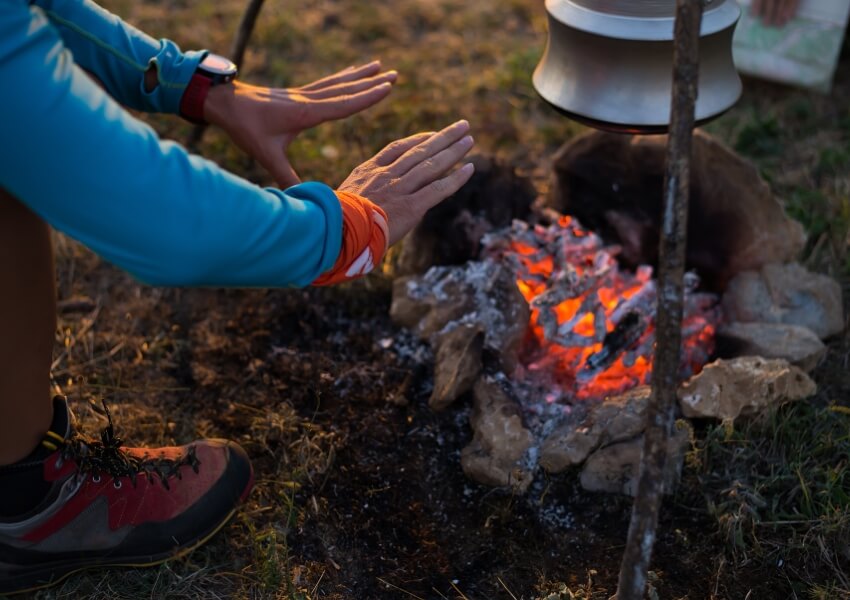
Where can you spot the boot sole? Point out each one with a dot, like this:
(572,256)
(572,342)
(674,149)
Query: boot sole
(140,562)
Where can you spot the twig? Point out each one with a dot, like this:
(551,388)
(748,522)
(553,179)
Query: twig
(237,53)
(457,589)
(388,584)
(671,262)
(506,588)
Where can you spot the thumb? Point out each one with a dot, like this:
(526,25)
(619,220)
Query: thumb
(279,167)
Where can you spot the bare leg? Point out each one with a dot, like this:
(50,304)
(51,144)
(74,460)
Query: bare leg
(27,325)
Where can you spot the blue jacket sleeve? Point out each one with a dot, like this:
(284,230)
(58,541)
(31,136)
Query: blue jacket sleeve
(91,170)
(119,55)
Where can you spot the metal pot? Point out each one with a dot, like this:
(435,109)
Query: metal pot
(609,63)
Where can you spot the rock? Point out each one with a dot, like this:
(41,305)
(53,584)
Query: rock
(614,419)
(614,468)
(457,364)
(786,293)
(481,293)
(798,345)
(613,184)
(726,389)
(416,306)
(497,453)
(506,328)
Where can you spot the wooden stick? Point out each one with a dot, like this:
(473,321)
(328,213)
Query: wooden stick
(237,53)
(671,269)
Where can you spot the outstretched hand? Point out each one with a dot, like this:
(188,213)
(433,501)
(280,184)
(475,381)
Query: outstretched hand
(775,12)
(411,175)
(264,121)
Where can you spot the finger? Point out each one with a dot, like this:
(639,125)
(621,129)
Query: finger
(425,150)
(352,87)
(789,9)
(437,191)
(345,106)
(773,8)
(392,151)
(349,74)
(277,164)
(435,167)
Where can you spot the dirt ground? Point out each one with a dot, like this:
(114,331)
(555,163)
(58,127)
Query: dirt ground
(359,489)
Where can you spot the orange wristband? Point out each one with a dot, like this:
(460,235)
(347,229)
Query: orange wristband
(365,239)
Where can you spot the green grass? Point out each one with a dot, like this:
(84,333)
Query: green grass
(779,487)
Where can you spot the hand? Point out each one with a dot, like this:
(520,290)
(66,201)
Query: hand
(263,121)
(775,12)
(409,176)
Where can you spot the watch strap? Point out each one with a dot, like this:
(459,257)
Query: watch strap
(194,96)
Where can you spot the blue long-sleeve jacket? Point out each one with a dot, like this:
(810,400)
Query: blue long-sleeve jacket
(79,160)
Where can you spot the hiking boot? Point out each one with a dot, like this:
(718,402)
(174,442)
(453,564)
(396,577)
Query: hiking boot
(101,504)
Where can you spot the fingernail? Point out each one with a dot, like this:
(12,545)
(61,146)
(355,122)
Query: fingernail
(462,122)
(385,86)
(468,169)
(467,141)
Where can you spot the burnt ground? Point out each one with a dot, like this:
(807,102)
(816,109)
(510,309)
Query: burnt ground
(359,490)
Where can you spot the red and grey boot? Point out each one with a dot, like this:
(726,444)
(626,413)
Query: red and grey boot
(94,503)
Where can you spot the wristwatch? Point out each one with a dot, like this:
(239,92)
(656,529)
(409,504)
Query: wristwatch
(213,70)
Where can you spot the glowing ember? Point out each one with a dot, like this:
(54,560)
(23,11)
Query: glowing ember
(593,326)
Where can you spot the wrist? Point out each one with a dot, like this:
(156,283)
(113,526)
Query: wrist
(212,72)
(218,105)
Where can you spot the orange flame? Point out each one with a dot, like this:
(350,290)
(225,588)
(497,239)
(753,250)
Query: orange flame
(584,257)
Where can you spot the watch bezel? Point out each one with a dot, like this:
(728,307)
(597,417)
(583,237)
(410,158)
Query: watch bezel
(223,72)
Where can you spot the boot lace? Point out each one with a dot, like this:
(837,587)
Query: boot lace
(106,455)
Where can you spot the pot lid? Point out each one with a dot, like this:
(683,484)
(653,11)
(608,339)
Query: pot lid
(650,20)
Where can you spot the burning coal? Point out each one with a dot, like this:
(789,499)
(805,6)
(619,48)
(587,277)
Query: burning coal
(592,326)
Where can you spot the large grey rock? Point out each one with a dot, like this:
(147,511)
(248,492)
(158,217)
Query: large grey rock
(482,294)
(798,345)
(613,184)
(614,419)
(786,293)
(417,306)
(726,389)
(614,468)
(497,453)
(457,364)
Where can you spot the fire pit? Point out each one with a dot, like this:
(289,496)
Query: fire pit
(550,326)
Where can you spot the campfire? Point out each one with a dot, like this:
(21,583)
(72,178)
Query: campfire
(550,327)
(592,324)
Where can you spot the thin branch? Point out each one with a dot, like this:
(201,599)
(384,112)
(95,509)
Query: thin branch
(671,269)
(237,53)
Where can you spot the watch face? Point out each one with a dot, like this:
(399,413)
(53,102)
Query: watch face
(218,65)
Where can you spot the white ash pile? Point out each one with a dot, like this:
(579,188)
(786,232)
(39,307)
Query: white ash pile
(592,328)
(550,381)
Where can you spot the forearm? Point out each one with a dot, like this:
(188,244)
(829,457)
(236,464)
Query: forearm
(146,205)
(140,72)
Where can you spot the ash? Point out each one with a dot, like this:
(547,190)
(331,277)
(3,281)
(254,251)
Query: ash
(592,325)
(478,282)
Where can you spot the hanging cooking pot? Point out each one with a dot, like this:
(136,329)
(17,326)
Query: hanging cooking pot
(609,63)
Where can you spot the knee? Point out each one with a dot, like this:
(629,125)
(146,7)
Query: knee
(17,220)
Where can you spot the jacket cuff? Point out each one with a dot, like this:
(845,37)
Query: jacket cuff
(324,197)
(174,71)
